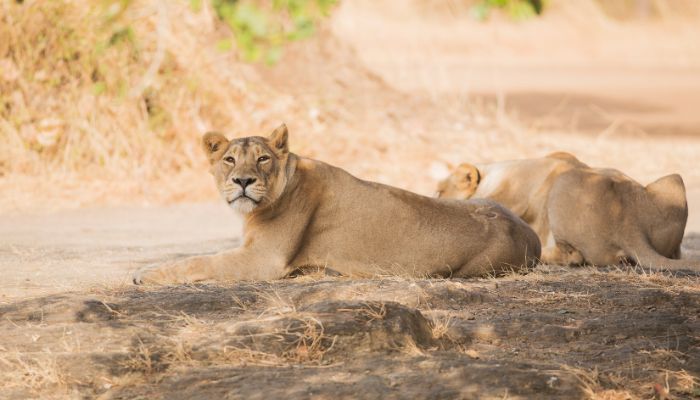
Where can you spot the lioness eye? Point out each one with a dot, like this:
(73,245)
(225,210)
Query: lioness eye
(229,160)
(262,159)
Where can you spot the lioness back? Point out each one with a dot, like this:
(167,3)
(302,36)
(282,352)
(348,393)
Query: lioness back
(393,229)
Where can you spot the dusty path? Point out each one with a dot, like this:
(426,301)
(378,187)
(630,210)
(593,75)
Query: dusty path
(70,250)
(554,73)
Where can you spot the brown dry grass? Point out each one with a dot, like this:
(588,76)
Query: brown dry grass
(37,372)
(440,325)
(157,342)
(681,381)
(117,98)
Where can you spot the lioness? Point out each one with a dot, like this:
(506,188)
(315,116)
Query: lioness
(583,214)
(304,213)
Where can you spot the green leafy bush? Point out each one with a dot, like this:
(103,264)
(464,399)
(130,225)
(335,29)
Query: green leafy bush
(517,9)
(262,28)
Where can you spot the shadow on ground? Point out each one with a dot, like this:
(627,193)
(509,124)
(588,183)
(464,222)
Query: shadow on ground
(553,333)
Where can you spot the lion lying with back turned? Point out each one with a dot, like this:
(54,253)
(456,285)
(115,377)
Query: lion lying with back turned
(304,213)
(583,214)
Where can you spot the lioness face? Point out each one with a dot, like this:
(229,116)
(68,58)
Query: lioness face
(250,171)
(461,184)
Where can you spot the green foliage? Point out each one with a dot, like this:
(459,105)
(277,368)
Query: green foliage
(262,28)
(518,10)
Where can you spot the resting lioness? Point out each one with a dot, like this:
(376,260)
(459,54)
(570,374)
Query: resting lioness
(583,214)
(304,213)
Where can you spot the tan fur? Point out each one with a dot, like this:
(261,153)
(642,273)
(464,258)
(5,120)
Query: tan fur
(597,216)
(305,213)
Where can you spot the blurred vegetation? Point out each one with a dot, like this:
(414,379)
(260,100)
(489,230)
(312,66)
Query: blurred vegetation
(105,84)
(515,9)
(626,10)
(57,49)
(76,77)
(262,28)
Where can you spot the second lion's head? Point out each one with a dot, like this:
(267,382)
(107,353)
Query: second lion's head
(461,183)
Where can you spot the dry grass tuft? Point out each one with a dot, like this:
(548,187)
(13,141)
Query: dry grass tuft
(35,372)
(440,325)
(141,359)
(276,304)
(590,383)
(304,338)
(373,311)
(684,382)
(310,346)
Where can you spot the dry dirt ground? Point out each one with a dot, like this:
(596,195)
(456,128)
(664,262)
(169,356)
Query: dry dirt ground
(550,334)
(561,71)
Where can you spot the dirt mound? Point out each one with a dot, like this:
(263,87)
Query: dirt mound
(555,333)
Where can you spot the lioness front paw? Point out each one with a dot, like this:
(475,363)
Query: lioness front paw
(145,275)
(163,274)
(184,271)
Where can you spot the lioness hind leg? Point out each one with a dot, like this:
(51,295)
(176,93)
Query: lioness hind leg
(561,254)
(495,261)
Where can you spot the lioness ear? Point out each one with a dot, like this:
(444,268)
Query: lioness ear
(468,177)
(278,139)
(214,145)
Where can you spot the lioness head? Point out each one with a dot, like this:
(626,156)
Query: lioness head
(250,172)
(461,183)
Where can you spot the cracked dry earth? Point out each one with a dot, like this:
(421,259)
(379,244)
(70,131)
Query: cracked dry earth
(553,333)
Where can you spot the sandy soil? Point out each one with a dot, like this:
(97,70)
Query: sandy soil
(585,77)
(63,251)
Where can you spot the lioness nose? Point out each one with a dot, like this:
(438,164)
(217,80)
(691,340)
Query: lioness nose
(244,182)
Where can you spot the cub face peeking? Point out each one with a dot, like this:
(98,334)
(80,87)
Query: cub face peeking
(461,183)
